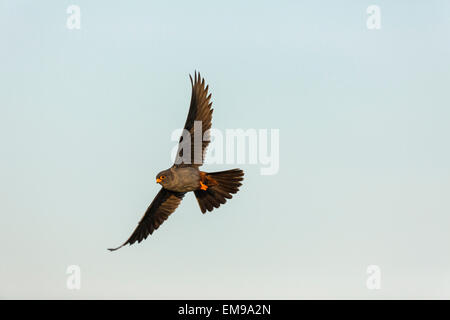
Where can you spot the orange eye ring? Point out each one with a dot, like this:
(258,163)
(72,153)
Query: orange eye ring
(162,177)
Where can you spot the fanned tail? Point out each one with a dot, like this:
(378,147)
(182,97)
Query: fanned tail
(221,185)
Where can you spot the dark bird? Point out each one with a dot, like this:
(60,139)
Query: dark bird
(211,189)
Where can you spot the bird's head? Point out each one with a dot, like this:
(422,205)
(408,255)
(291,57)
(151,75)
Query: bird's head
(164,178)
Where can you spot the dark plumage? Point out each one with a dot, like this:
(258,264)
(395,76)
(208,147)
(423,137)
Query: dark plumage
(211,189)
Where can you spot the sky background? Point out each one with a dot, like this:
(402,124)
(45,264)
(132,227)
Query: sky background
(85,123)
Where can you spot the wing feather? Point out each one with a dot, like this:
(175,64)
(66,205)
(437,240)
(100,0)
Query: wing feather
(200,110)
(159,210)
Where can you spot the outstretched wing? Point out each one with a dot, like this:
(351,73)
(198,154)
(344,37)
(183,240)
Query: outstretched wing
(159,210)
(199,117)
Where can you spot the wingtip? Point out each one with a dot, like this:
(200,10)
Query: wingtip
(197,77)
(114,249)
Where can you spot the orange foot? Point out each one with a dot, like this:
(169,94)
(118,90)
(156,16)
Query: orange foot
(203,186)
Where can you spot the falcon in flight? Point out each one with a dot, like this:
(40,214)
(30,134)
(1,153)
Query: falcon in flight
(210,188)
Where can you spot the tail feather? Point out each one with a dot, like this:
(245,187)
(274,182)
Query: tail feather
(221,186)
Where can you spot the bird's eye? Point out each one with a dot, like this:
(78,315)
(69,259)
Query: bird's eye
(162,177)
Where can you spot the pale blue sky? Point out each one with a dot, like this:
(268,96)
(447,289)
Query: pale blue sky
(85,123)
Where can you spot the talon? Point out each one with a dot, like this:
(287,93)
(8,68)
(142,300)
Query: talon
(203,186)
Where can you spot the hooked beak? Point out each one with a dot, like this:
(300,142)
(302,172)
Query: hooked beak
(158,180)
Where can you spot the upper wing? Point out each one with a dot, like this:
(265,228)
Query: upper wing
(159,210)
(199,110)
